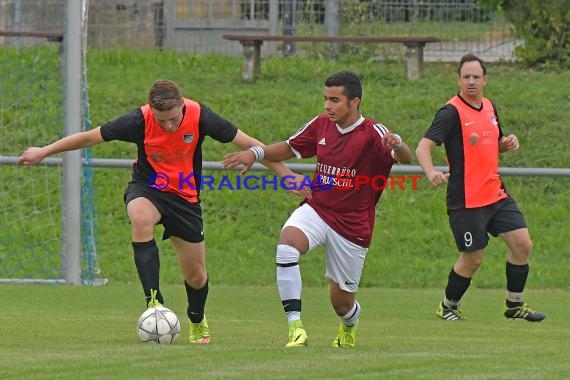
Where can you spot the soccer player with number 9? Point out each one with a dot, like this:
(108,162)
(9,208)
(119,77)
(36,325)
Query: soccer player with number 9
(478,203)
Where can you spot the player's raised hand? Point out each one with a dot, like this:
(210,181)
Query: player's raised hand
(245,158)
(32,156)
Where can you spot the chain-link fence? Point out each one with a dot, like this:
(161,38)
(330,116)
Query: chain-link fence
(197,25)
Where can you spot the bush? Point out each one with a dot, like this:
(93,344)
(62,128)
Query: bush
(542,24)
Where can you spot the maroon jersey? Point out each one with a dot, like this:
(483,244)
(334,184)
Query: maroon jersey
(351,171)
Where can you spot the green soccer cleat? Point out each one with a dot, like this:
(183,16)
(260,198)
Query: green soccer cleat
(346,337)
(153,301)
(297,335)
(449,313)
(199,332)
(524,312)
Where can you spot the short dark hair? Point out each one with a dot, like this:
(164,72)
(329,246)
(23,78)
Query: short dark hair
(469,57)
(164,95)
(347,79)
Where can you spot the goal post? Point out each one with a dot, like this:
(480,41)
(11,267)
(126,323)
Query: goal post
(72,116)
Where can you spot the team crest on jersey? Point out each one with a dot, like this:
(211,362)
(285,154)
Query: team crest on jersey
(188,138)
(157,156)
(493,120)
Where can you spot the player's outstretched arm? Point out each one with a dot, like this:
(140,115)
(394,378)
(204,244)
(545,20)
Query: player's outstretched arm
(34,155)
(253,150)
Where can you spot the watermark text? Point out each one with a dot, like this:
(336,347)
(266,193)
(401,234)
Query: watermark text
(340,181)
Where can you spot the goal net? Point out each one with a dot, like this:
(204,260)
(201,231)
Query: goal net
(31,114)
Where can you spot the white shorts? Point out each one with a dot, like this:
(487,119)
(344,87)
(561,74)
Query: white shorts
(344,259)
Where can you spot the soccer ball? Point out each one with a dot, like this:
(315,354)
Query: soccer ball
(159,325)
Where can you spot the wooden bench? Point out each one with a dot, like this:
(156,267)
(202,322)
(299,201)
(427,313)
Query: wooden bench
(252,48)
(50,36)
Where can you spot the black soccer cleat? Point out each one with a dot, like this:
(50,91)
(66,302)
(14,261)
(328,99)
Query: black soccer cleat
(524,312)
(449,313)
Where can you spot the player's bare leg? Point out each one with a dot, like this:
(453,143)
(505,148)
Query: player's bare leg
(348,309)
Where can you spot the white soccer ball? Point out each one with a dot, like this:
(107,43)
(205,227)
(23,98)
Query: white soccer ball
(159,325)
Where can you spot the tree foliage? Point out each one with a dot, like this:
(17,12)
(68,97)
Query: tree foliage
(543,25)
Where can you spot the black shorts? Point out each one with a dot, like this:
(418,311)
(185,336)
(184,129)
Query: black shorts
(471,226)
(179,217)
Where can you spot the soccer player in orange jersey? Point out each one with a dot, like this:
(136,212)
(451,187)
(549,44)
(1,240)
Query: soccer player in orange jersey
(165,185)
(478,203)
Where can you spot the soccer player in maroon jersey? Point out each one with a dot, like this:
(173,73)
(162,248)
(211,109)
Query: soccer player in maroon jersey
(340,213)
(477,202)
(164,189)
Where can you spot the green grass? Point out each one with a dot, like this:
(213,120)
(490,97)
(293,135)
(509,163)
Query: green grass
(412,244)
(411,226)
(63,332)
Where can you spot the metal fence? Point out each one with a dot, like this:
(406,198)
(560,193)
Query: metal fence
(117,163)
(197,25)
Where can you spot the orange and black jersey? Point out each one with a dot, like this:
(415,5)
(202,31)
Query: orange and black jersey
(175,159)
(471,140)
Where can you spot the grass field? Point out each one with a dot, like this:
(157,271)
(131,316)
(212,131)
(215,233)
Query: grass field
(63,332)
(412,245)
